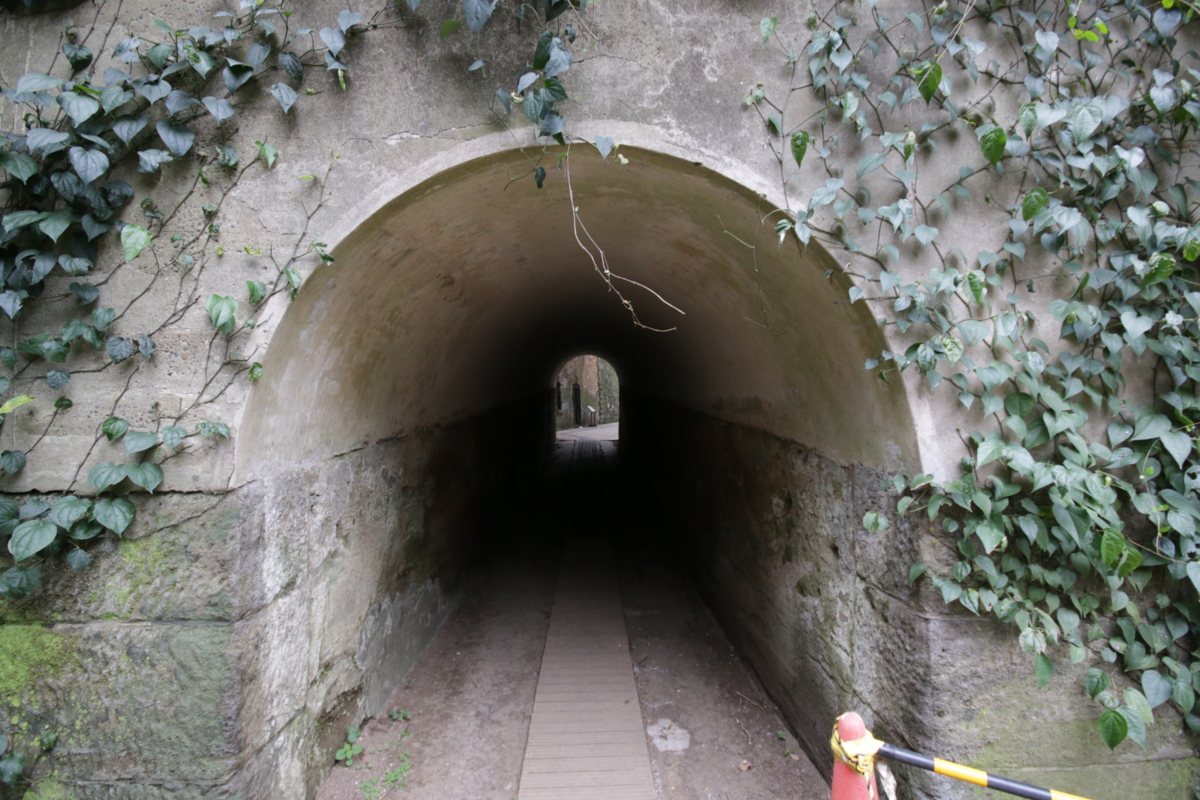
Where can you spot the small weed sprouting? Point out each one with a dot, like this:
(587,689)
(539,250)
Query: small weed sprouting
(398,714)
(375,788)
(350,749)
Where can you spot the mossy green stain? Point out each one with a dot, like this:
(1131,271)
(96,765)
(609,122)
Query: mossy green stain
(30,653)
(49,790)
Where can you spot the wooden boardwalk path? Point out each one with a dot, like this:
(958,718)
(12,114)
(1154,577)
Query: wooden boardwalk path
(586,740)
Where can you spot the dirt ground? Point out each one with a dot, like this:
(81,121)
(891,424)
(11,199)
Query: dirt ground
(471,693)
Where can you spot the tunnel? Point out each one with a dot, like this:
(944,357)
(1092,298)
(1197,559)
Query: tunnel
(408,394)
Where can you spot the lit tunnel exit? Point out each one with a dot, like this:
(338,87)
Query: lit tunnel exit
(409,386)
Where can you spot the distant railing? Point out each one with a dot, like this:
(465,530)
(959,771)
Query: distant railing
(855,751)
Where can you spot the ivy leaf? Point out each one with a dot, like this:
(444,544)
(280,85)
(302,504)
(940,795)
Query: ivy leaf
(119,349)
(992,144)
(19,165)
(1035,200)
(113,97)
(1113,728)
(102,318)
(134,239)
(767,26)
(69,510)
(1018,404)
(78,559)
(213,429)
(284,95)
(79,107)
(334,39)
(152,90)
(30,538)
(88,164)
(1157,691)
(78,56)
(925,234)
(291,65)
(1112,545)
(236,74)
(177,137)
(114,428)
(178,100)
(149,161)
(75,266)
(269,153)
(1084,121)
(258,54)
(348,19)
(145,346)
(605,145)
(220,108)
(800,140)
(258,290)
(45,139)
(869,163)
(12,462)
(33,82)
(449,28)
(140,441)
(14,403)
(222,310)
(476,13)
(554,90)
(114,513)
(173,436)
(1178,444)
(1136,726)
(56,222)
(148,476)
(227,156)
(256,371)
(1043,668)
(102,476)
(57,379)
(1118,432)
(929,78)
(539,176)
(16,583)
(1096,681)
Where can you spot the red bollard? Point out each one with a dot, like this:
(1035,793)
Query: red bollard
(847,783)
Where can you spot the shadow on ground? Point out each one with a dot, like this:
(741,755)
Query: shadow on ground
(461,714)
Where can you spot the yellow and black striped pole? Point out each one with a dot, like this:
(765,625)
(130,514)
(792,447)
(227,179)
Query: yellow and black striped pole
(859,753)
(971,775)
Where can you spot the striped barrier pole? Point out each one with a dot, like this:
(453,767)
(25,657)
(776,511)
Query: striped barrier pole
(850,780)
(857,756)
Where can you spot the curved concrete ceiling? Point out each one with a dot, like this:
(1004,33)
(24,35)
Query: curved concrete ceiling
(465,292)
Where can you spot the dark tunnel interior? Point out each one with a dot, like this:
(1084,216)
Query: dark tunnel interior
(749,429)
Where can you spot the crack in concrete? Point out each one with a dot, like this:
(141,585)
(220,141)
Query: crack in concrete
(401,136)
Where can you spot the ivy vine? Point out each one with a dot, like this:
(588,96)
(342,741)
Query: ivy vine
(1075,517)
(75,130)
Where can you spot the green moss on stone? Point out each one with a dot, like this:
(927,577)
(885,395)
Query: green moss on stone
(30,653)
(49,790)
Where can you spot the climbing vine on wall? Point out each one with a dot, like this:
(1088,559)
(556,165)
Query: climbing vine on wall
(70,221)
(1075,516)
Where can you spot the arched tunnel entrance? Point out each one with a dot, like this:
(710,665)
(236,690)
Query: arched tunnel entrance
(406,394)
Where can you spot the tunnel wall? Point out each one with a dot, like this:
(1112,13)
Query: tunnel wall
(824,612)
(225,644)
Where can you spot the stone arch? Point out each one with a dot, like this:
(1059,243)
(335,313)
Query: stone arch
(401,386)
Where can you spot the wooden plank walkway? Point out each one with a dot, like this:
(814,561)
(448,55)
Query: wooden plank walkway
(585,739)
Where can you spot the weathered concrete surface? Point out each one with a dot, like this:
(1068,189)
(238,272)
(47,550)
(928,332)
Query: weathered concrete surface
(824,611)
(241,631)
